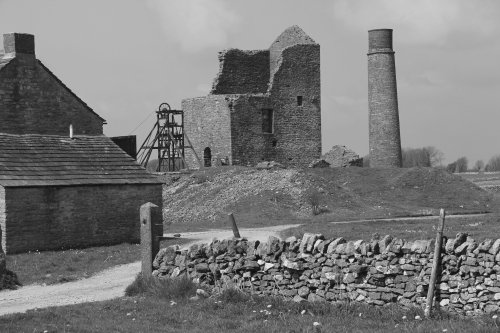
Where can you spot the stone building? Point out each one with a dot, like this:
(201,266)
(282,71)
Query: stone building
(264,105)
(57,189)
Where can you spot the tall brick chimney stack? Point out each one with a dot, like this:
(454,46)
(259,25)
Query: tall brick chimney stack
(19,45)
(385,140)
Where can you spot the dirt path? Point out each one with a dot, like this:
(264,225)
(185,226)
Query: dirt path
(110,283)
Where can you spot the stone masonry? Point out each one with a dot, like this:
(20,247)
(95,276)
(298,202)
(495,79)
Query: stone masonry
(380,271)
(74,216)
(58,191)
(384,136)
(34,100)
(264,105)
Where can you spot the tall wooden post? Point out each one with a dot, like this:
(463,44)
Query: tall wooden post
(435,264)
(151,230)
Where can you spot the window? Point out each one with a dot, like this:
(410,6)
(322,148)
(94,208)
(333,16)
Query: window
(267,121)
(299,100)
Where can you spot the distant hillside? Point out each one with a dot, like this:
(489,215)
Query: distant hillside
(282,196)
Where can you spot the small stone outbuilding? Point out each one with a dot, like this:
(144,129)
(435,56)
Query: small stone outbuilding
(60,188)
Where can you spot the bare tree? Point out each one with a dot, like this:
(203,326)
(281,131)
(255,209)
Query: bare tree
(422,157)
(435,156)
(493,164)
(460,165)
(479,165)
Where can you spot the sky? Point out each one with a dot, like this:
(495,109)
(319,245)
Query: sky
(125,57)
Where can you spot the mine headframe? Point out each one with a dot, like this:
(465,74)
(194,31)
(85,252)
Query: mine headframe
(167,138)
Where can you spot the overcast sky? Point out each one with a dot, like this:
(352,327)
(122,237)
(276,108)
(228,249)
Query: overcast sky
(125,57)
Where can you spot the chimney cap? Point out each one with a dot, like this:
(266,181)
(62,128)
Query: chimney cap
(380,39)
(15,42)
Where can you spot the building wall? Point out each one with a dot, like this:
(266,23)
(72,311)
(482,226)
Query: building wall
(32,100)
(43,218)
(2,216)
(242,72)
(249,144)
(297,128)
(207,124)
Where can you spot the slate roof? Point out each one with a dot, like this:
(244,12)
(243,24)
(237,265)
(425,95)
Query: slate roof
(47,160)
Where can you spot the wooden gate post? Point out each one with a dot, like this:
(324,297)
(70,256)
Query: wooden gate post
(435,264)
(151,231)
(236,232)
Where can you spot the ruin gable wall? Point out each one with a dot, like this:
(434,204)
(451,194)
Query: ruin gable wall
(297,127)
(242,72)
(207,124)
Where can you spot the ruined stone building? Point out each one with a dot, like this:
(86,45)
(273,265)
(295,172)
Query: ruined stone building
(264,105)
(56,189)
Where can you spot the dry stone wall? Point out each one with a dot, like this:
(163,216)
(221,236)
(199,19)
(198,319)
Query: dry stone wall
(379,271)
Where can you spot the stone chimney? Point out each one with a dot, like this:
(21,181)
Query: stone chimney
(19,45)
(385,140)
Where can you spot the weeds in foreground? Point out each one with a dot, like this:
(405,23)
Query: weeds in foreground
(231,310)
(313,197)
(165,288)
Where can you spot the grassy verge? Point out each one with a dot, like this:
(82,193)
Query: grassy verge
(154,310)
(50,267)
(479,228)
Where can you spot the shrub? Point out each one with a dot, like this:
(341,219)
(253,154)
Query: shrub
(176,288)
(314,199)
(233,295)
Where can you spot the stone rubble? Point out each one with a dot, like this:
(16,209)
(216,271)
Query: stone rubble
(342,157)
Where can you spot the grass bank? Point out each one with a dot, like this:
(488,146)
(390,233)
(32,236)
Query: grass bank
(478,227)
(50,267)
(161,310)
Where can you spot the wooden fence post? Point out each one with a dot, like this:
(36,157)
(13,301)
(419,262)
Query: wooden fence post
(151,231)
(236,232)
(435,264)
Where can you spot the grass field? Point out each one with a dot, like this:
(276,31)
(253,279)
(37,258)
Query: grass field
(478,227)
(231,311)
(50,267)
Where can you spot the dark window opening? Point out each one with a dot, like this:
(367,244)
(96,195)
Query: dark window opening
(299,100)
(274,142)
(267,121)
(207,157)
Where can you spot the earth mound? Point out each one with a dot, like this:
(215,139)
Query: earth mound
(283,196)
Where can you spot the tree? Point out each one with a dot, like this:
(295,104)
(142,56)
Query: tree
(421,157)
(479,165)
(493,164)
(460,165)
(435,155)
